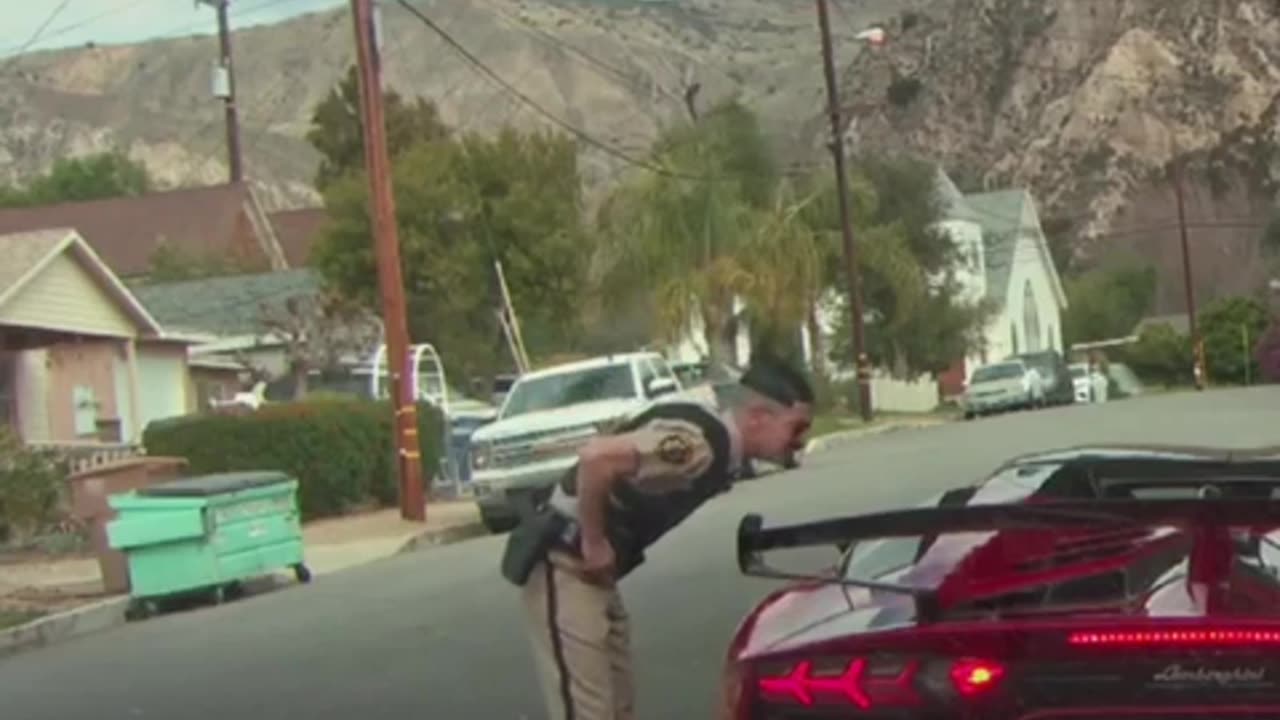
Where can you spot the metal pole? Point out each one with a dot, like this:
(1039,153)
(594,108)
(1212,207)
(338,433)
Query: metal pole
(387,250)
(233,120)
(853,275)
(1197,343)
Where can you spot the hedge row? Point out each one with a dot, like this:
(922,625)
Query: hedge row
(341,451)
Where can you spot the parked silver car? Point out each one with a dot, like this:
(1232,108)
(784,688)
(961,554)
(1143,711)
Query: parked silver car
(1002,386)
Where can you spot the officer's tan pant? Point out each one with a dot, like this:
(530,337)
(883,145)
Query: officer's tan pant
(581,644)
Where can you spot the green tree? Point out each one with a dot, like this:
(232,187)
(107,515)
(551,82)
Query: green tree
(91,177)
(464,203)
(681,236)
(1162,356)
(336,128)
(783,260)
(1107,303)
(918,323)
(1231,328)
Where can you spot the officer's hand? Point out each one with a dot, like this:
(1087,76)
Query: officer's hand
(598,561)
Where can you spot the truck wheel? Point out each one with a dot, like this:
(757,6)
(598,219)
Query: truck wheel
(302,573)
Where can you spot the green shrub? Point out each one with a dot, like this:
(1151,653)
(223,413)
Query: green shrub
(31,485)
(341,451)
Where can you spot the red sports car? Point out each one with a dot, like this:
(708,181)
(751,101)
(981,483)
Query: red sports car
(1110,583)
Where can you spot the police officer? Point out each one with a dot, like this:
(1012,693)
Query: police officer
(627,490)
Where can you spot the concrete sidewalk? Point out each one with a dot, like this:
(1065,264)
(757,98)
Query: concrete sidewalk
(70,592)
(880,427)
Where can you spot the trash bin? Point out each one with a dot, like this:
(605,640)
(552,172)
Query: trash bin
(207,533)
(89,492)
(461,428)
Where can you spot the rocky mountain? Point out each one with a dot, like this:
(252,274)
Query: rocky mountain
(615,70)
(1090,102)
(1084,101)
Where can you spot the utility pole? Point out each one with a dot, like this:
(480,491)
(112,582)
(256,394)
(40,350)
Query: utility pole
(1197,343)
(853,275)
(387,250)
(224,86)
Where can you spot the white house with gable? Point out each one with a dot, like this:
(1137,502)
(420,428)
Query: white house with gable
(1006,260)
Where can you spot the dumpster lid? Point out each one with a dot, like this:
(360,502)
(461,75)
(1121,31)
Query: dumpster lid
(215,484)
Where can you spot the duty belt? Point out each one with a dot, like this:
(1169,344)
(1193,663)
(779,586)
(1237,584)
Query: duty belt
(569,536)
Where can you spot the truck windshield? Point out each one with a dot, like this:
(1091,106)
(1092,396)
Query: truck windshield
(570,388)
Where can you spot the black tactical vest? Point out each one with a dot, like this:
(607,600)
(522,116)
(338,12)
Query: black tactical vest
(635,520)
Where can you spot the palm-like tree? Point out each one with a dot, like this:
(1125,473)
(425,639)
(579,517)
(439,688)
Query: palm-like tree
(681,236)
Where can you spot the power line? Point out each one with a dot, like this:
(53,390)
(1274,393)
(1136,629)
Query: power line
(586,58)
(64,29)
(36,35)
(573,130)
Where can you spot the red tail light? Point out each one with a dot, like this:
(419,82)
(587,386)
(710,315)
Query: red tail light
(801,685)
(974,677)
(870,684)
(1177,637)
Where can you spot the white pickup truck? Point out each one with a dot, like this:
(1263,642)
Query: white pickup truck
(547,416)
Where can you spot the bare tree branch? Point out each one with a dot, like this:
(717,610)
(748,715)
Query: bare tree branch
(319,332)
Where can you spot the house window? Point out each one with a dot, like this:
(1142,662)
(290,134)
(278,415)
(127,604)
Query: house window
(1053,338)
(1031,319)
(1013,338)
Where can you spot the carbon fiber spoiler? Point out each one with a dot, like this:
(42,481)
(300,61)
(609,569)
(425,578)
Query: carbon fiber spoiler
(754,539)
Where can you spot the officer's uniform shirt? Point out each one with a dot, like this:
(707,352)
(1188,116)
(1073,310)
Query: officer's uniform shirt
(671,453)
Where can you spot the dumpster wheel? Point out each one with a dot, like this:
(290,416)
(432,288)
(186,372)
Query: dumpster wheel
(139,610)
(302,572)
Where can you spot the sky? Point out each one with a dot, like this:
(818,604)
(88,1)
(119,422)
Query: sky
(77,22)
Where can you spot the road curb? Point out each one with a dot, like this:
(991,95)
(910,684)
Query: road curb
(110,613)
(835,439)
(99,616)
(442,536)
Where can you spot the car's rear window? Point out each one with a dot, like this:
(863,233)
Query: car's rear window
(1003,371)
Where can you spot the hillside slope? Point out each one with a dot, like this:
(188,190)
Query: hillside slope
(1084,101)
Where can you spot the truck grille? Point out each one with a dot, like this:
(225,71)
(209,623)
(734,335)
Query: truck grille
(541,445)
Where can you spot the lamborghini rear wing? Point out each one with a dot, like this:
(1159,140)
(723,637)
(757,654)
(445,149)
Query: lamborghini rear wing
(1206,515)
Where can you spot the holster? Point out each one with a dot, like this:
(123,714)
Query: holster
(529,542)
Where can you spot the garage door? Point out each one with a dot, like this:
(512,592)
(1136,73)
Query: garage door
(162,387)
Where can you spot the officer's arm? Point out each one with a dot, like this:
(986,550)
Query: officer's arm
(663,455)
(600,462)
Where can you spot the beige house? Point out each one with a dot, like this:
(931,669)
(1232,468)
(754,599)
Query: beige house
(82,362)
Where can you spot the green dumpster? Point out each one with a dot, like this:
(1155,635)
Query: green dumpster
(207,533)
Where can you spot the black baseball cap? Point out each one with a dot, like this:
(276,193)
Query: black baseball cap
(778,381)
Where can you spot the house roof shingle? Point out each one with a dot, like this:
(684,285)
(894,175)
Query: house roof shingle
(125,231)
(297,232)
(225,306)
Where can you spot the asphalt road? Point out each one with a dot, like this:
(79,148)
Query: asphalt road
(438,634)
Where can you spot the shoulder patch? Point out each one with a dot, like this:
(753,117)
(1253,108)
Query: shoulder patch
(675,449)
